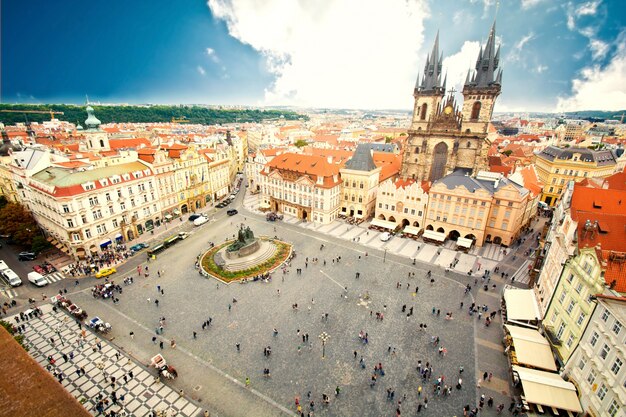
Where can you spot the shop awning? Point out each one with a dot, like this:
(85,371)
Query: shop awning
(384,224)
(59,245)
(50,239)
(177,212)
(118,236)
(521,305)
(548,389)
(412,230)
(531,348)
(105,243)
(93,249)
(464,243)
(53,242)
(80,250)
(64,249)
(432,235)
(168,216)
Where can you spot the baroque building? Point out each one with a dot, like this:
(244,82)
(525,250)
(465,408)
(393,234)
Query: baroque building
(442,138)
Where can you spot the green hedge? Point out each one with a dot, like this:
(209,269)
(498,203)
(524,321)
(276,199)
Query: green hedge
(209,265)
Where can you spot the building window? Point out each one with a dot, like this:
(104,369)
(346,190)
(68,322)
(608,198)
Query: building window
(593,339)
(605,315)
(97,214)
(88,233)
(606,349)
(570,278)
(559,332)
(617,327)
(570,307)
(591,378)
(70,223)
(115,224)
(613,408)
(108,196)
(570,340)
(602,392)
(582,363)
(617,365)
(579,288)
(75,237)
(66,208)
(562,297)
(122,206)
(581,318)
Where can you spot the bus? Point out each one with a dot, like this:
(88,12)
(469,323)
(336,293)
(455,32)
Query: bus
(171,241)
(156,249)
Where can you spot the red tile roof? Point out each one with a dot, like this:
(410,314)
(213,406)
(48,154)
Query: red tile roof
(306,165)
(605,208)
(128,143)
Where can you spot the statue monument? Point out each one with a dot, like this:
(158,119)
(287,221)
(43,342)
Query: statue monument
(245,244)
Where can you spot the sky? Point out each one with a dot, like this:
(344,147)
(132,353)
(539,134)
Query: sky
(363,54)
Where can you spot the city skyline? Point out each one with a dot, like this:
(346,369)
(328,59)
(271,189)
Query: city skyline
(235,52)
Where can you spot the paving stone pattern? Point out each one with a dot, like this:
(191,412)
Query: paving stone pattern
(142,394)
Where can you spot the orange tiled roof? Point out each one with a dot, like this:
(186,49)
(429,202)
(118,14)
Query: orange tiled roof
(72,164)
(306,165)
(615,270)
(607,209)
(128,143)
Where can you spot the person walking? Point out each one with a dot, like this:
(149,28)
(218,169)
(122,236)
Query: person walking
(156,302)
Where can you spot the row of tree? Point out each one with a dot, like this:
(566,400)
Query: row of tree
(145,114)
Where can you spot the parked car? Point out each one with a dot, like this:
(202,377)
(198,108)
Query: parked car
(385,236)
(105,272)
(232,212)
(194,217)
(12,278)
(200,220)
(26,256)
(138,247)
(271,217)
(222,205)
(183,235)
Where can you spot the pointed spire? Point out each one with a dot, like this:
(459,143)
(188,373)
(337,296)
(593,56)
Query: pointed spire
(488,61)
(499,77)
(431,79)
(468,77)
(445,80)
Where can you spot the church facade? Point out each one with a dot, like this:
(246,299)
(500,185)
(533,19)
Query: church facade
(445,137)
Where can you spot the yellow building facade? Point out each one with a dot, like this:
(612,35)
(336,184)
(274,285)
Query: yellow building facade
(556,166)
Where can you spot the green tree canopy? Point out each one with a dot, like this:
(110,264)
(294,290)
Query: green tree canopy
(300,143)
(17,222)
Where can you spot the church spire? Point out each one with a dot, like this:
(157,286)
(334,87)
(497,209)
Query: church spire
(487,62)
(431,79)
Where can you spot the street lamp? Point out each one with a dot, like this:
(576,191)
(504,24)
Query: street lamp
(324,337)
(385,256)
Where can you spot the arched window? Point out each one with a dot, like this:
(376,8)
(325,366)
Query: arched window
(475,110)
(417,149)
(469,144)
(423,112)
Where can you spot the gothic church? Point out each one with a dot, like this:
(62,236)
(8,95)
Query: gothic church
(442,138)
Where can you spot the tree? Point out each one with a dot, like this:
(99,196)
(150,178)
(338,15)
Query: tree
(300,143)
(508,152)
(3,201)
(388,139)
(17,222)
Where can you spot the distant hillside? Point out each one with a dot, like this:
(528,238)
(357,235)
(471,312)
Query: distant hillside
(595,115)
(148,114)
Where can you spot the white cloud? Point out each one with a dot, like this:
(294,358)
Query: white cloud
(589,8)
(539,69)
(213,55)
(456,66)
(516,51)
(598,48)
(527,4)
(336,53)
(600,88)
(201,70)
(462,17)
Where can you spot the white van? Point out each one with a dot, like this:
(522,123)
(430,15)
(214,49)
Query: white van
(37,279)
(12,277)
(3,265)
(200,220)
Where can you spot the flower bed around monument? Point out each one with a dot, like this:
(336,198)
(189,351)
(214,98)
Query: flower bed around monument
(208,264)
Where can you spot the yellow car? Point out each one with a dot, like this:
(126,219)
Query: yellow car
(105,272)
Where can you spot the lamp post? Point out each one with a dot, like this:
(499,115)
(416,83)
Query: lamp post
(324,337)
(385,256)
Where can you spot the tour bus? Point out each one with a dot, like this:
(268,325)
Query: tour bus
(172,240)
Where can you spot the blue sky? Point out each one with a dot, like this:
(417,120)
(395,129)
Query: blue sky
(331,53)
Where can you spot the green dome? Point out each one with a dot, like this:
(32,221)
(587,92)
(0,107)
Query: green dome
(92,121)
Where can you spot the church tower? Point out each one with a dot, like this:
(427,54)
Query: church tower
(482,87)
(428,91)
(443,138)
